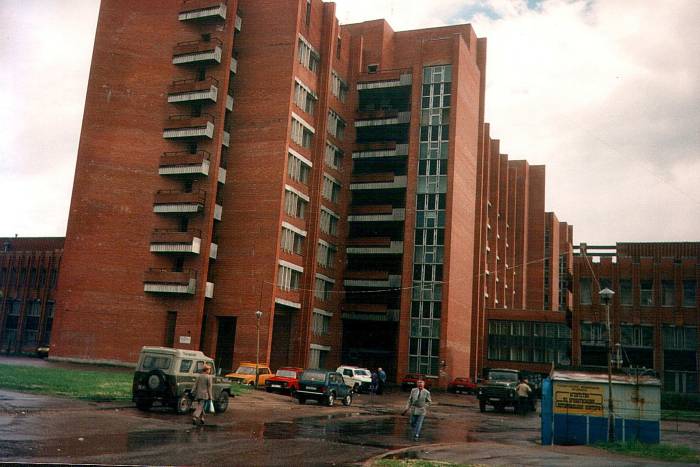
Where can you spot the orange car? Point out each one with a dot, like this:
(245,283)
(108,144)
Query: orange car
(245,374)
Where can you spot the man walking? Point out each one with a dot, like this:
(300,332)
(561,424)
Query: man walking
(523,391)
(417,404)
(382,380)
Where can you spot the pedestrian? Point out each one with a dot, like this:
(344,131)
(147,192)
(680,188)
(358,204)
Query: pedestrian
(202,394)
(375,383)
(382,380)
(523,389)
(417,404)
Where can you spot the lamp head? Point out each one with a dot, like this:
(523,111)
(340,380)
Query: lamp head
(606,295)
(258,314)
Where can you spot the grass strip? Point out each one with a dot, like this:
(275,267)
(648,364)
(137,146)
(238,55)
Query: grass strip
(665,452)
(415,463)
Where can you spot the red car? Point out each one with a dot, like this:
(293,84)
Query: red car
(462,385)
(409,381)
(286,380)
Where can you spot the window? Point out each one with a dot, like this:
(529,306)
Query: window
(689,293)
(329,221)
(646,292)
(334,157)
(680,338)
(626,292)
(185,366)
(667,293)
(289,276)
(307,17)
(323,287)
(302,134)
(295,203)
(338,47)
(304,98)
(336,125)
(292,239)
(298,167)
(331,189)
(373,68)
(339,87)
(585,291)
(321,322)
(636,336)
(325,255)
(308,55)
(594,334)
(317,356)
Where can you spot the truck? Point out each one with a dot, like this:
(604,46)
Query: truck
(498,389)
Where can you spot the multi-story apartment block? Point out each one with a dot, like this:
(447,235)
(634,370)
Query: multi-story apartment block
(653,313)
(249,156)
(28,274)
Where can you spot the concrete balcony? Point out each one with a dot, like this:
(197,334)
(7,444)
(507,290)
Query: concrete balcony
(229,103)
(209,290)
(381,117)
(226,140)
(369,312)
(193,10)
(238,24)
(184,164)
(173,241)
(165,281)
(187,126)
(378,181)
(384,79)
(371,279)
(214,250)
(374,246)
(218,211)
(377,213)
(234,65)
(379,150)
(221,177)
(201,52)
(191,90)
(179,202)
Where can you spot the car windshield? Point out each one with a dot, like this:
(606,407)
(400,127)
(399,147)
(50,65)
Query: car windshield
(286,373)
(503,376)
(152,362)
(246,370)
(314,376)
(362,372)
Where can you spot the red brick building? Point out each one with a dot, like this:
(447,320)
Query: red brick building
(28,274)
(254,155)
(653,314)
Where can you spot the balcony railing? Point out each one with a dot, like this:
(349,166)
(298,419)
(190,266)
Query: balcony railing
(234,65)
(374,246)
(184,163)
(371,279)
(377,181)
(202,9)
(196,52)
(173,241)
(381,117)
(191,90)
(385,79)
(369,312)
(170,282)
(384,213)
(179,202)
(188,126)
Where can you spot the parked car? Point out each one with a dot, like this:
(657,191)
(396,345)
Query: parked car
(359,379)
(324,387)
(167,376)
(462,384)
(245,374)
(286,380)
(409,381)
(498,390)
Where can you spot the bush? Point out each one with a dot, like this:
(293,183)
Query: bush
(679,401)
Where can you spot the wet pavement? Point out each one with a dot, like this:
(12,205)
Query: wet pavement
(268,429)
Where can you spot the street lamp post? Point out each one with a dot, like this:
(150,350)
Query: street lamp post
(606,296)
(258,315)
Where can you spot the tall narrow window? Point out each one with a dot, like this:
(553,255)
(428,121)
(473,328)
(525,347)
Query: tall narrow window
(646,292)
(626,292)
(689,292)
(307,17)
(668,292)
(585,291)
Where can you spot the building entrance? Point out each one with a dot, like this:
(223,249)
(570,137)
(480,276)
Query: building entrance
(371,344)
(225,341)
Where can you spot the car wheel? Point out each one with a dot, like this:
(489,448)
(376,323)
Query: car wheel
(251,384)
(347,400)
(356,388)
(156,380)
(302,400)
(144,404)
(293,392)
(221,404)
(183,405)
(482,406)
(268,389)
(330,400)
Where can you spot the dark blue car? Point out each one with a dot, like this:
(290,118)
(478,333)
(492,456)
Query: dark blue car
(324,387)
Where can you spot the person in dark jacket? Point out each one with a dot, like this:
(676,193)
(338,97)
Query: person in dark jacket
(202,393)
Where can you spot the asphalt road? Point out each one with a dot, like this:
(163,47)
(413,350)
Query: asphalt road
(268,429)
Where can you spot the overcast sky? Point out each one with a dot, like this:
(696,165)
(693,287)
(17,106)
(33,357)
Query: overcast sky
(604,92)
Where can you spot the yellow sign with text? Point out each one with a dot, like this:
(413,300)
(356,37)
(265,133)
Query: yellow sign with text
(578,399)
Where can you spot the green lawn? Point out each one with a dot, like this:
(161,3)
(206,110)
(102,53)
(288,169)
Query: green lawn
(665,452)
(414,463)
(91,385)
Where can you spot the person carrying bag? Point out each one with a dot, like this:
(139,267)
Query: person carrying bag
(202,395)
